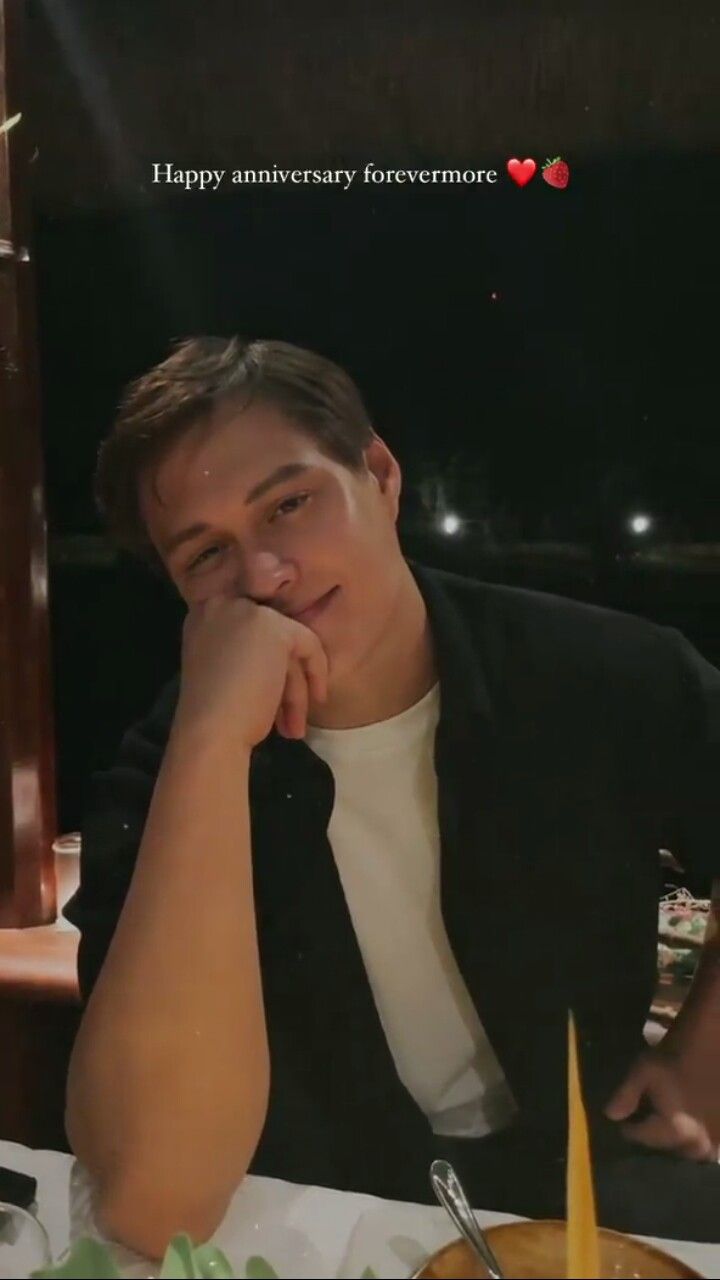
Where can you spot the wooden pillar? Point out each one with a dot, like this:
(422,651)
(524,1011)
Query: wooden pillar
(27,789)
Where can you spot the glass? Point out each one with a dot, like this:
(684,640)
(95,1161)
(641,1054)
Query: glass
(24,1245)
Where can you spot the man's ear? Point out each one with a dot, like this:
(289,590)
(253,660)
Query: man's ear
(385,471)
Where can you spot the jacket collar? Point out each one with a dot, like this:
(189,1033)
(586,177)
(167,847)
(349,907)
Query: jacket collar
(454,611)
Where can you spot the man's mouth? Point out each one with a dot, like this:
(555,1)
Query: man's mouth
(313,611)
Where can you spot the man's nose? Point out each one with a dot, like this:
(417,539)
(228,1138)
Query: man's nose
(265,576)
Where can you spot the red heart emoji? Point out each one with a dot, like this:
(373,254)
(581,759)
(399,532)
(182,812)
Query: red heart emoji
(521,171)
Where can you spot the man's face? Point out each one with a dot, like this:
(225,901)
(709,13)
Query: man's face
(248,505)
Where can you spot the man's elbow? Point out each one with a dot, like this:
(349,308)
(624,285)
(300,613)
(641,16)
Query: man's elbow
(145,1219)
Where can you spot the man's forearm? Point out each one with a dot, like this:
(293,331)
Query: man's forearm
(169,1077)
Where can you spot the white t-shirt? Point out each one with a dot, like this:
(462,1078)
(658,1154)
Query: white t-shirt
(385,840)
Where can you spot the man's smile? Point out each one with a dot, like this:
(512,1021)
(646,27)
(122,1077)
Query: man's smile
(313,611)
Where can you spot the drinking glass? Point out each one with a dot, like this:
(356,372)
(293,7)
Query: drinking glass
(24,1246)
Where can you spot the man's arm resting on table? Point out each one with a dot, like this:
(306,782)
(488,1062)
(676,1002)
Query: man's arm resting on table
(169,1077)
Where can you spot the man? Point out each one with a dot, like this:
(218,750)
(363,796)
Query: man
(343,884)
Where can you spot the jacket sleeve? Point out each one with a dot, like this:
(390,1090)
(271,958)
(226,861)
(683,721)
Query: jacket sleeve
(696,786)
(112,828)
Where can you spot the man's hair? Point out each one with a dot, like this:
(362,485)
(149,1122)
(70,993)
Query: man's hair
(183,390)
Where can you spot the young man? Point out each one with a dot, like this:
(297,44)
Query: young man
(343,884)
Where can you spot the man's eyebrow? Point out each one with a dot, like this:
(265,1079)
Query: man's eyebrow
(185,535)
(287,471)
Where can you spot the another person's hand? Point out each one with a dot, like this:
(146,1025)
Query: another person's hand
(246,666)
(669,1121)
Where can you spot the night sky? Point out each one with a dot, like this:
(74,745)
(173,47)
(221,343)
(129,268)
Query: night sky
(561,342)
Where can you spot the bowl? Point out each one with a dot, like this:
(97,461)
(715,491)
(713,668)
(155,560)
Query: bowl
(536,1251)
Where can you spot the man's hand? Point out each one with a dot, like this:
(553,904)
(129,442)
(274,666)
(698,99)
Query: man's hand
(673,1124)
(246,666)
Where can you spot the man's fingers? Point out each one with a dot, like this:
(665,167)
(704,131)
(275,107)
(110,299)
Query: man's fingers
(316,675)
(679,1132)
(308,650)
(626,1099)
(670,1127)
(306,680)
(663,1089)
(648,1079)
(704,1148)
(294,706)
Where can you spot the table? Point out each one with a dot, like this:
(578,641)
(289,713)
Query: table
(39,1016)
(303,1232)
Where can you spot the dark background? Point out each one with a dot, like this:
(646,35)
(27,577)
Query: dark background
(543,361)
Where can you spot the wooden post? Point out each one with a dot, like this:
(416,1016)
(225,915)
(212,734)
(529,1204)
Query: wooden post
(27,789)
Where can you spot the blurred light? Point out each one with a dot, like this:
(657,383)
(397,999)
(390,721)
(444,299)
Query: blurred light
(450,523)
(640,523)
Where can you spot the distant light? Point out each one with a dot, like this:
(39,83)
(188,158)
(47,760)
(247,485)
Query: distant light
(640,524)
(450,523)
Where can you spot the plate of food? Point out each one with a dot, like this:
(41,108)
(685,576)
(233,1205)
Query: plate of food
(538,1251)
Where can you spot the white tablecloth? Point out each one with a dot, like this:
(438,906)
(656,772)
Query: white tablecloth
(303,1232)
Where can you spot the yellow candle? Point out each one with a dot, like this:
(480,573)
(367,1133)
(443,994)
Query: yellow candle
(583,1246)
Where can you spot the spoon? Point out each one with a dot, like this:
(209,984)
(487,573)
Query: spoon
(448,1189)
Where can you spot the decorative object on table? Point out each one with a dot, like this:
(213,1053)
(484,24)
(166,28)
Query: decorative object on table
(683,924)
(90,1260)
(70,843)
(683,919)
(583,1246)
(258,1268)
(449,1192)
(24,1245)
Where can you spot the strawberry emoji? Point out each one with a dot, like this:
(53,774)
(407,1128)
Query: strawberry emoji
(556,172)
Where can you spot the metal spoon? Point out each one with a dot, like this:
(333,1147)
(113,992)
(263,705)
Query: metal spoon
(448,1189)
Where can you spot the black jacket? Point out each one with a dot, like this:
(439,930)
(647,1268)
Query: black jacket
(574,743)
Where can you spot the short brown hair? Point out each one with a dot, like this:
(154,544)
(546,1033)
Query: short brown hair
(182,391)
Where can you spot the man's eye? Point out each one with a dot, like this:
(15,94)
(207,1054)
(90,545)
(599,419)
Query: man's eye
(289,505)
(203,558)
